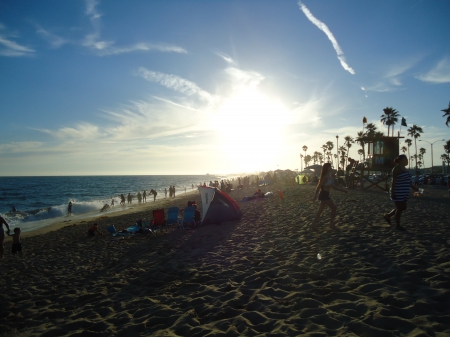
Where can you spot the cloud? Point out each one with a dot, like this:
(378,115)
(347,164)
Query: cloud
(243,78)
(323,27)
(11,48)
(80,132)
(103,48)
(54,40)
(19,147)
(391,80)
(439,74)
(175,83)
(225,57)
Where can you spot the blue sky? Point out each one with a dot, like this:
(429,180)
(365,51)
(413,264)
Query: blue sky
(195,87)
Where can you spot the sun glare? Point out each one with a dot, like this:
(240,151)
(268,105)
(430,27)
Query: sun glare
(251,129)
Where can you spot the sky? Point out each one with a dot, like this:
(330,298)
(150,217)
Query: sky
(220,87)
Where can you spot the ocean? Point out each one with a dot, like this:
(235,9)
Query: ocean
(40,201)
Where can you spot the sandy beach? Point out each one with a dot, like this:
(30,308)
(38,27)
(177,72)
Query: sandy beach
(260,276)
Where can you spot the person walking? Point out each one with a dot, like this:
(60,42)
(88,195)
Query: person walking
(323,192)
(69,208)
(401,183)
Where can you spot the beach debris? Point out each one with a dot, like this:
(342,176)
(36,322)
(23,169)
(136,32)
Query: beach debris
(319,256)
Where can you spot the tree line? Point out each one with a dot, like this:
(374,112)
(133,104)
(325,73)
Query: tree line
(390,118)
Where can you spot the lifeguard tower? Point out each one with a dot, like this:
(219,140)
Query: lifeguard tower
(381,152)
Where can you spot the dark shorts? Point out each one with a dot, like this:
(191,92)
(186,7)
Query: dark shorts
(91,233)
(16,247)
(324,195)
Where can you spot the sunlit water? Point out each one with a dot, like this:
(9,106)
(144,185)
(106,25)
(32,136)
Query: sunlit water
(40,201)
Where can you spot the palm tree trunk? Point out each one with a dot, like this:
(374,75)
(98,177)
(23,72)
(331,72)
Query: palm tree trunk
(409,161)
(415,143)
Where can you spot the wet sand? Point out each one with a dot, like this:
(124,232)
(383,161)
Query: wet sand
(257,276)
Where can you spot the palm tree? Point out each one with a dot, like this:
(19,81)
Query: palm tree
(371,129)
(447,113)
(342,151)
(415,132)
(386,117)
(360,152)
(408,143)
(301,162)
(389,118)
(394,119)
(324,149)
(359,140)
(315,157)
(447,146)
(330,146)
(404,149)
(378,134)
(348,142)
(307,160)
(305,148)
(422,152)
(445,158)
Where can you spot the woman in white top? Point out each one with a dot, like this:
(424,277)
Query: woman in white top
(2,235)
(323,191)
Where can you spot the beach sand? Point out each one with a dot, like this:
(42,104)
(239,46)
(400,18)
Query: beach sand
(258,276)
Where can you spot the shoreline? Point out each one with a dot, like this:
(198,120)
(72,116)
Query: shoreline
(115,212)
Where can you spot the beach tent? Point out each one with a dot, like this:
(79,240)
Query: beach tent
(217,206)
(302,179)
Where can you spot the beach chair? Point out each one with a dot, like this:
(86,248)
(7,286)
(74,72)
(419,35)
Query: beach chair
(158,224)
(188,217)
(172,217)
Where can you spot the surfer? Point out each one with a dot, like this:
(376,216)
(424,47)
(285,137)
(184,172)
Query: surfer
(104,208)
(2,235)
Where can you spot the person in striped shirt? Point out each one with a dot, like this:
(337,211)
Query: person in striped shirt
(401,184)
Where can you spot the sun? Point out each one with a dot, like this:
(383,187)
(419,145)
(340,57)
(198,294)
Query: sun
(251,126)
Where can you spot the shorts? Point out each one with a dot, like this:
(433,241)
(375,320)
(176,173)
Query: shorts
(324,195)
(91,233)
(16,247)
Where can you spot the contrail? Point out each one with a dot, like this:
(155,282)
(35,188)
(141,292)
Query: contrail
(323,27)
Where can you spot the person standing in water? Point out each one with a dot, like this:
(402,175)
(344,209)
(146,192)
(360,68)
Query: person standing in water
(2,235)
(69,208)
(401,183)
(323,192)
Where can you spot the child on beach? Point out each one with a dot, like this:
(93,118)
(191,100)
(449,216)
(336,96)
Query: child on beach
(2,235)
(324,186)
(93,230)
(16,246)
(401,183)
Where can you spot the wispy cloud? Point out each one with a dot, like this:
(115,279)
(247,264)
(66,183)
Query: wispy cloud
(439,74)
(54,40)
(19,147)
(324,28)
(243,78)
(175,83)
(225,57)
(102,47)
(8,47)
(392,79)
